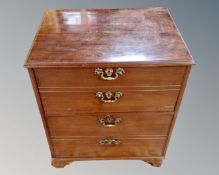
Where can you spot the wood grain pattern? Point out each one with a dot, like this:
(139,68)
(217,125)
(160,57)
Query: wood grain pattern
(85,77)
(179,100)
(90,147)
(41,109)
(111,36)
(132,124)
(67,48)
(61,103)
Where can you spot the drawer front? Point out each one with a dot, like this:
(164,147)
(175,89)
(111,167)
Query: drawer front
(90,147)
(115,124)
(59,103)
(85,77)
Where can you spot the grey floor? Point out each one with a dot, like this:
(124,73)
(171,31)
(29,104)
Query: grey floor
(194,146)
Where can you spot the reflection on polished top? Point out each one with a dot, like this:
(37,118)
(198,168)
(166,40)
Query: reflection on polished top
(91,36)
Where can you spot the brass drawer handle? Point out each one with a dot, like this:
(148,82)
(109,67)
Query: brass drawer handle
(109,121)
(109,97)
(108,73)
(109,142)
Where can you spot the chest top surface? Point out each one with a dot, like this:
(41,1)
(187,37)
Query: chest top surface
(111,36)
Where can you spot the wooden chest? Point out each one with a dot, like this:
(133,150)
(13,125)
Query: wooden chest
(108,82)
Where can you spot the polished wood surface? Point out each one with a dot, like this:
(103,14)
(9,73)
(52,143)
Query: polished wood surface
(71,44)
(85,77)
(111,36)
(59,103)
(179,100)
(89,147)
(40,106)
(132,124)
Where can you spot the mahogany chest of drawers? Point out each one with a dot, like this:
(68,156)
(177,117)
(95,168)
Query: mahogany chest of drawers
(108,82)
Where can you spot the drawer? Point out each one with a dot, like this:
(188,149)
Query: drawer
(115,124)
(59,103)
(90,147)
(85,77)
